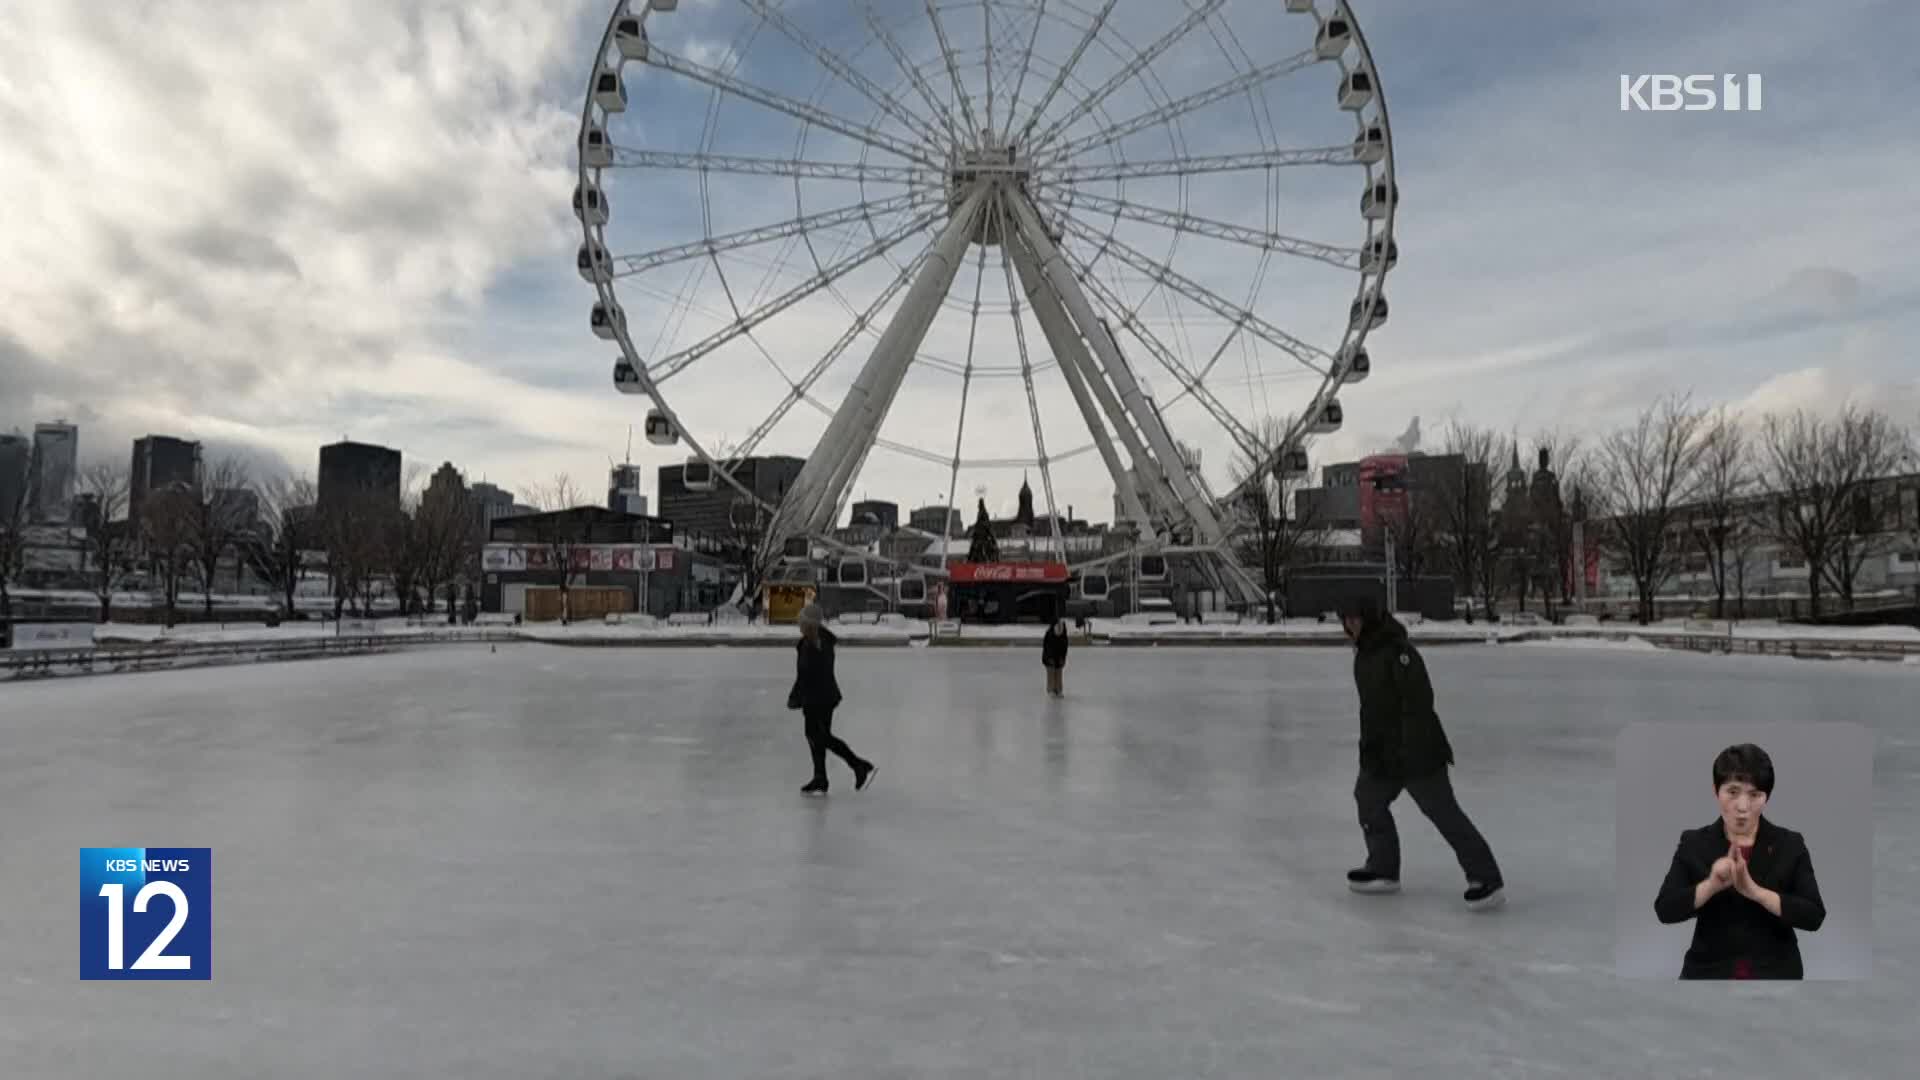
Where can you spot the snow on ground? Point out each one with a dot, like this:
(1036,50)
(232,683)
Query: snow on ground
(588,862)
(1619,644)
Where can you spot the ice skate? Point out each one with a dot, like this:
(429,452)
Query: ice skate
(1366,881)
(1481,897)
(814,788)
(863,775)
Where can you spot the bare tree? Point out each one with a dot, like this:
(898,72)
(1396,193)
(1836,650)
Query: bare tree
(552,536)
(1825,478)
(167,520)
(1870,450)
(287,529)
(1463,504)
(357,527)
(217,517)
(1719,516)
(1279,530)
(1645,473)
(443,528)
(109,539)
(14,508)
(1749,529)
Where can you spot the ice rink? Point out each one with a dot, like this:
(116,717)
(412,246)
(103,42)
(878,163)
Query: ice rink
(556,862)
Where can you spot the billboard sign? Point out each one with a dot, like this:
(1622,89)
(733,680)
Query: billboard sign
(1011,573)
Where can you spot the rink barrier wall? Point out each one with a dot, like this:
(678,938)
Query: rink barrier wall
(161,656)
(158,656)
(1800,648)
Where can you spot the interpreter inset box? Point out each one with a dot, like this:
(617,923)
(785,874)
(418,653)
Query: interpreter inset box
(1744,851)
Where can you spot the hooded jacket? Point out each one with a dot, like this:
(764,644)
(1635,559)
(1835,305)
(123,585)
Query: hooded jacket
(1734,937)
(814,686)
(1400,734)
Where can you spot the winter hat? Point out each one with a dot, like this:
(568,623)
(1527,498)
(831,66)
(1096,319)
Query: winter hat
(811,615)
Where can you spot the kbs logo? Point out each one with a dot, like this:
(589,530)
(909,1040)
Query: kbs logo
(155,904)
(1689,93)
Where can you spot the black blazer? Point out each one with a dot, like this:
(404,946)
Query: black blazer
(814,686)
(1730,926)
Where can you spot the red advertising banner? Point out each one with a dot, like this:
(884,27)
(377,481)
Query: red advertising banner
(1022,573)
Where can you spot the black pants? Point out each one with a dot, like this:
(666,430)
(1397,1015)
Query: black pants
(1433,794)
(820,739)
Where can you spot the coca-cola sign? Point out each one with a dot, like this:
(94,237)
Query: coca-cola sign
(1010,572)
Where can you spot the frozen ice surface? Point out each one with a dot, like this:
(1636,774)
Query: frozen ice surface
(554,862)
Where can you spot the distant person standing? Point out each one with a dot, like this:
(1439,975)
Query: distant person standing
(1403,747)
(1053,657)
(816,693)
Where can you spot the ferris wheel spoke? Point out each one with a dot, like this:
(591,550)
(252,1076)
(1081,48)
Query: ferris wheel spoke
(1200,163)
(1190,384)
(1066,70)
(624,158)
(777,101)
(953,70)
(673,365)
(1313,359)
(627,265)
(1033,401)
(1181,106)
(1026,64)
(1086,105)
(1343,257)
(966,381)
(835,63)
(801,390)
(911,71)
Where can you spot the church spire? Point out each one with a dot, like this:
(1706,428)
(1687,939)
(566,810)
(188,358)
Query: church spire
(1025,514)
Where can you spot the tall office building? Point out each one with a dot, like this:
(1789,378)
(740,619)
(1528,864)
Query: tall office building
(348,468)
(710,513)
(16,463)
(623,490)
(489,502)
(56,452)
(160,462)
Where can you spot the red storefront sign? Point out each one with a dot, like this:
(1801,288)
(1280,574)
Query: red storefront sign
(1021,573)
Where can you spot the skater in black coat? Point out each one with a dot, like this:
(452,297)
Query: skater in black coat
(1053,656)
(1747,882)
(1404,748)
(816,693)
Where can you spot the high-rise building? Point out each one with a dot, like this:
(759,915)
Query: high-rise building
(160,462)
(710,513)
(489,502)
(56,453)
(447,483)
(623,490)
(348,468)
(16,464)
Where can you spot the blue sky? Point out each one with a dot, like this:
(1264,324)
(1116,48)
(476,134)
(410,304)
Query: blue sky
(269,226)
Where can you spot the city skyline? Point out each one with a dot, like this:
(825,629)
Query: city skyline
(1519,301)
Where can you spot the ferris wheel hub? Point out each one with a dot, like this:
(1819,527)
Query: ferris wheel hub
(970,167)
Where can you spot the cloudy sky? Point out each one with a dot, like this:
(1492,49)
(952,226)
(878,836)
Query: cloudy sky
(271,225)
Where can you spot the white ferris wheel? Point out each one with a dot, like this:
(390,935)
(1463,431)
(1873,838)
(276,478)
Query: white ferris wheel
(1131,249)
